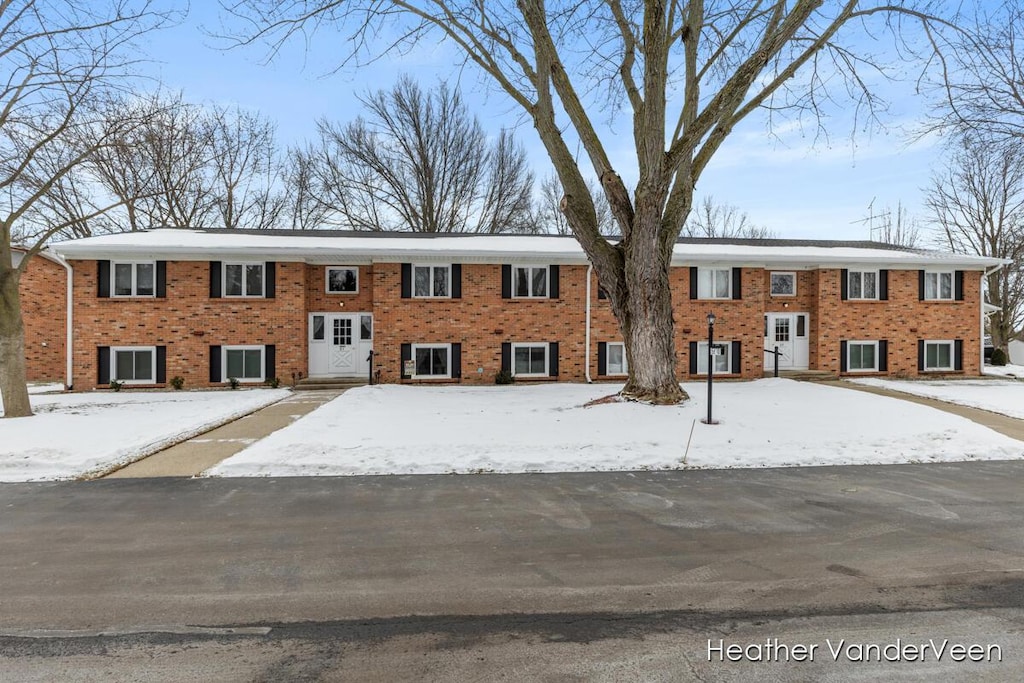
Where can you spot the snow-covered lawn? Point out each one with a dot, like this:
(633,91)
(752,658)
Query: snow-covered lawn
(1012,371)
(75,434)
(771,422)
(999,396)
(46,388)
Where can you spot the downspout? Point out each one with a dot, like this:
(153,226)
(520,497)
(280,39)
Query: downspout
(69,336)
(981,313)
(586,352)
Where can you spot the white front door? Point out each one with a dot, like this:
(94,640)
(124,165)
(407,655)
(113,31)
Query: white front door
(788,333)
(340,344)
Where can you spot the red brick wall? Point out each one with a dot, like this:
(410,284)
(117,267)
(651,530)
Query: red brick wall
(43,293)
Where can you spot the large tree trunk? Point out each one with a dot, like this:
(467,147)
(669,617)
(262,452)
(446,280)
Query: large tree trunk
(12,345)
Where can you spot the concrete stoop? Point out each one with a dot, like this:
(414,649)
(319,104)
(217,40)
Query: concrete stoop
(329,383)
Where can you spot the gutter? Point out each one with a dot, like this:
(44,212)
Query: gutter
(586,347)
(981,315)
(69,336)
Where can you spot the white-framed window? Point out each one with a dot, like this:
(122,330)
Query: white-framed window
(615,359)
(244,363)
(342,279)
(722,362)
(433,361)
(530,360)
(243,279)
(133,278)
(529,282)
(938,355)
(783,283)
(938,286)
(862,284)
(430,281)
(133,364)
(862,356)
(714,283)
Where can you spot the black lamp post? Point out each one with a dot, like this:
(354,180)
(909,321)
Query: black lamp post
(711,364)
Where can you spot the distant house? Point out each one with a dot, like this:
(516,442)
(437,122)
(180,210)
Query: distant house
(212,305)
(44,295)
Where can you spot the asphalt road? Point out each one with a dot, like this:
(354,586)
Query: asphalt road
(515,577)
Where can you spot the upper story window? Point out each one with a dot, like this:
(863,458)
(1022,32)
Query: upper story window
(133,279)
(862,284)
(714,283)
(783,284)
(243,279)
(530,281)
(342,280)
(938,286)
(431,281)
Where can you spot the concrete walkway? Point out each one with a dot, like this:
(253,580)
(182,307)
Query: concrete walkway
(200,453)
(1008,426)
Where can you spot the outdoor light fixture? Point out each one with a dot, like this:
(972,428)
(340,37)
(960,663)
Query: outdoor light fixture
(711,363)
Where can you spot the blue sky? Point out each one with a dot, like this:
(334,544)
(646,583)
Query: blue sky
(796,185)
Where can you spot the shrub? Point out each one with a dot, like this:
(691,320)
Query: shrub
(998,357)
(177,382)
(274,382)
(115,385)
(504,377)
(233,381)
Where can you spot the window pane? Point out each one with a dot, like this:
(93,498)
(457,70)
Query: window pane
(870,281)
(144,277)
(782,329)
(253,364)
(254,280)
(441,281)
(615,359)
(855,291)
(782,283)
(233,280)
(537,356)
(124,365)
(234,363)
(422,361)
(939,356)
(704,280)
(422,281)
(439,366)
(868,356)
(540,281)
(365,327)
(342,332)
(931,286)
(722,362)
(722,284)
(318,327)
(522,284)
(801,326)
(143,365)
(341,279)
(522,360)
(122,279)
(946,286)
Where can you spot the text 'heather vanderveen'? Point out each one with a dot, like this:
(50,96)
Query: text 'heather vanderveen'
(841,649)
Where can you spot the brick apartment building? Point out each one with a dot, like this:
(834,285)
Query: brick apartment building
(211,305)
(44,296)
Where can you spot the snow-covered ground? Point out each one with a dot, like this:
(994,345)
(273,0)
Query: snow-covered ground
(546,428)
(1012,371)
(46,388)
(74,434)
(1005,397)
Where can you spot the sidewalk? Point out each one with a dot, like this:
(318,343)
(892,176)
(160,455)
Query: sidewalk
(1007,426)
(192,457)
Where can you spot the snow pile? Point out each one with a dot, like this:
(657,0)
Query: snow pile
(1004,397)
(1009,370)
(74,434)
(546,428)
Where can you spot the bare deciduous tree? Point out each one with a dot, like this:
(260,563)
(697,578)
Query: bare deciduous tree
(689,72)
(550,218)
(60,63)
(977,204)
(710,219)
(303,205)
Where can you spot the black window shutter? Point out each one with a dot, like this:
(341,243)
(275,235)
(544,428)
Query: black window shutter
(506,357)
(958,355)
(103,364)
(883,355)
(553,359)
(958,285)
(269,361)
(161,279)
(920,285)
(406,280)
(842,356)
(215,374)
(883,285)
(161,365)
(103,281)
(456,360)
(737,283)
(602,358)
(456,282)
(215,290)
(693,283)
(920,354)
(506,281)
(693,358)
(553,284)
(270,280)
(406,355)
(844,284)
(735,360)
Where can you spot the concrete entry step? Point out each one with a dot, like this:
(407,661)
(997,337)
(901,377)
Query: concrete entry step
(329,383)
(804,375)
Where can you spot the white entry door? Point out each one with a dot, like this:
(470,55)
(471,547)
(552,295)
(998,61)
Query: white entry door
(788,332)
(340,344)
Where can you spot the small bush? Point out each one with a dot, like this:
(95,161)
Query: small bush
(115,385)
(274,382)
(504,377)
(177,382)
(998,357)
(233,381)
